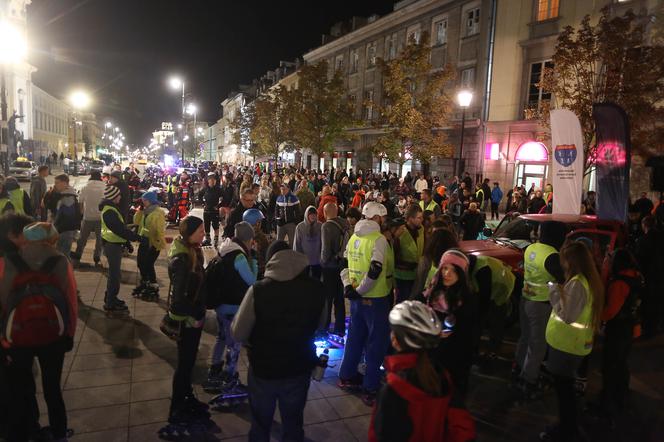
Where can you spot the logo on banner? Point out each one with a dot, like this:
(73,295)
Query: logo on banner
(565,154)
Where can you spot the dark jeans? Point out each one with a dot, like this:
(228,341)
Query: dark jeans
(23,412)
(187,351)
(564,366)
(494,210)
(113,254)
(211,219)
(291,396)
(615,369)
(314,271)
(335,296)
(404,287)
(369,330)
(147,256)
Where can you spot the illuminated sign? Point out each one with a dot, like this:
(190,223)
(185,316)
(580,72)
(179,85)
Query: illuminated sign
(492,151)
(166,126)
(532,151)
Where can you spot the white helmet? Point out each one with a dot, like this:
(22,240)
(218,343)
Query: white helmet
(372,209)
(415,325)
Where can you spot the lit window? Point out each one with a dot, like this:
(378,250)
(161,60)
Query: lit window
(354,60)
(473,21)
(468,78)
(547,9)
(413,35)
(371,55)
(535,93)
(440,31)
(368,105)
(391,46)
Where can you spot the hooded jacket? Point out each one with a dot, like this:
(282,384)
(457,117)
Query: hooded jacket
(37,192)
(308,238)
(35,255)
(187,300)
(90,197)
(67,211)
(333,233)
(362,228)
(329,198)
(279,316)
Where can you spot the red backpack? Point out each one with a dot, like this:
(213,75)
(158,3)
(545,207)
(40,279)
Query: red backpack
(37,313)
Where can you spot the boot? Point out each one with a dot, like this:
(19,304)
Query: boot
(215,379)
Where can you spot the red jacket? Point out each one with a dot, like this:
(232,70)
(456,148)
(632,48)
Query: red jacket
(404,412)
(324,200)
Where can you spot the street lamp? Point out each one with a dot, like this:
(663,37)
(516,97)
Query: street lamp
(79,101)
(177,83)
(193,111)
(464,98)
(13,49)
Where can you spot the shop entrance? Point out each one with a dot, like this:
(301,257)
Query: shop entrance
(532,165)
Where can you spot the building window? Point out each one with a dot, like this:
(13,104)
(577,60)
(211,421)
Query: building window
(391,47)
(547,9)
(368,105)
(472,21)
(535,93)
(354,60)
(413,35)
(468,78)
(339,63)
(440,32)
(371,55)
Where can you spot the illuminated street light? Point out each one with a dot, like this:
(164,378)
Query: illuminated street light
(192,109)
(108,125)
(13,46)
(117,129)
(176,83)
(464,98)
(79,100)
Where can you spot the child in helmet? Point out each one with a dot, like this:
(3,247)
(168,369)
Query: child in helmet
(414,404)
(255,217)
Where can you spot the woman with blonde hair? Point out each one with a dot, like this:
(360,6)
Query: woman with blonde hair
(575,318)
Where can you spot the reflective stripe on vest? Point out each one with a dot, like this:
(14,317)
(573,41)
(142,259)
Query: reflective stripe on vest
(16,198)
(502,278)
(535,275)
(575,338)
(106,233)
(411,252)
(431,206)
(359,251)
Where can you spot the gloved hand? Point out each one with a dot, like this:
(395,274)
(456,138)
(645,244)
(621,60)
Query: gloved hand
(351,293)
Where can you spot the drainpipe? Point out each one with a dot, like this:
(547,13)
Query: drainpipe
(489,75)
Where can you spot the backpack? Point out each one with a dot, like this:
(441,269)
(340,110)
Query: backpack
(345,236)
(631,308)
(37,310)
(68,217)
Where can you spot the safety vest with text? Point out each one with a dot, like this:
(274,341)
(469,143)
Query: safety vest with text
(409,252)
(359,251)
(107,234)
(536,277)
(575,338)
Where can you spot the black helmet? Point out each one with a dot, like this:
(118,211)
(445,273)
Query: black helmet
(415,325)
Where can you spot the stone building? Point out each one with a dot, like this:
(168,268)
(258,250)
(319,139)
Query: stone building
(51,123)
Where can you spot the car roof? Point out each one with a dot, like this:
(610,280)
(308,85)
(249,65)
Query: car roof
(569,219)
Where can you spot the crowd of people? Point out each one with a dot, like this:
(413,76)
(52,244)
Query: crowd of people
(295,248)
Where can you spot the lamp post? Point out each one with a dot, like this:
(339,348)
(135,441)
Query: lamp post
(79,100)
(13,49)
(177,83)
(463,99)
(193,111)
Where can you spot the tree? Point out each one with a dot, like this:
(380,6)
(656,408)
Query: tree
(323,110)
(272,130)
(415,107)
(609,62)
(241,128)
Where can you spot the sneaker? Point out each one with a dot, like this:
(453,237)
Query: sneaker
(368,398)
(350,384)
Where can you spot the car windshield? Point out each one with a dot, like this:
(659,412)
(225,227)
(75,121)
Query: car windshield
(22,164)
(517,229)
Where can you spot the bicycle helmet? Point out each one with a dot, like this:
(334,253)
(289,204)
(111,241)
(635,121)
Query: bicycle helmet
(415,325)
(252,216)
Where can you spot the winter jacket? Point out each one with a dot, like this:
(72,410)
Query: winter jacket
(125,199)
(67,211)
(37,192)
(211,197)
(324,200)
(187,301)
(115,224)
(308,239)
(35,255)
(90,197)
(332,242)
(472,224)
(155,224)
(306,197)
(496,195)
(238,271)
(288,209)
(279,316)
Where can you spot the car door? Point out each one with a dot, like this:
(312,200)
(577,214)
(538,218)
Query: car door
(603,244)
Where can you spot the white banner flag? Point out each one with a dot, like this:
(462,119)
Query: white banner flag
(567,161)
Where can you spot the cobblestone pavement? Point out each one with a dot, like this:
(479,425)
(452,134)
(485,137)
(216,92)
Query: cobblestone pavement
(117,382)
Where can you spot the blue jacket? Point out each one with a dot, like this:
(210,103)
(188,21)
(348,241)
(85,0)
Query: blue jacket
(288,209)
(496,195)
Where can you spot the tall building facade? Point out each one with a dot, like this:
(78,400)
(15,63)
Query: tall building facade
(51,121)
(459,32)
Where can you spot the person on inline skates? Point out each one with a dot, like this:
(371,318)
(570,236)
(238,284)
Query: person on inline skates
(185,270)
(227,279)
(151,228)
(211,195)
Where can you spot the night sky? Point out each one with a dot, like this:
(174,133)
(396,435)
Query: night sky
(123,51)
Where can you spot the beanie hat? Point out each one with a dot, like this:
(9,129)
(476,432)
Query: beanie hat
(244,231)
(150,197)
(455,257)
(39,232)
(192,223)
(275,247)
(111,192)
